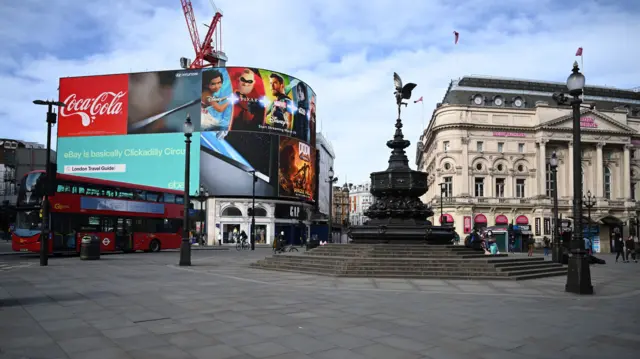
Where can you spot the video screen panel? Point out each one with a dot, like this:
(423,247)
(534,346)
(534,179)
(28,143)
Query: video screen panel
(155,160)
(240,116)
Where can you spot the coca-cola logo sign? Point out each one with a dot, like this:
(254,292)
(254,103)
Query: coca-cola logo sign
(94,106)
(106,103)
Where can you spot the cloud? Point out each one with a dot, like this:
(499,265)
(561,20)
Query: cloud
(346,50)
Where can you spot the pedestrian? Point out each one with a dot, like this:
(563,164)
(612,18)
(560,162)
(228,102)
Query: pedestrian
(531,246)
(587,245)
(546,242)
(512,243)
(631,249)
(619,247)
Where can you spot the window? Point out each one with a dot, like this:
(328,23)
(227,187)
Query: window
(480,146)
(152,196)
(500,147)
(445,144)
(500,187)
(607,183)
(479,186)
(521,147)
(632,153)
(448,186)
(520,188)
(549,181)
(633,191)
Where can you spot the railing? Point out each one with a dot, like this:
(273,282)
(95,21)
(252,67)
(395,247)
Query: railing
(544,201)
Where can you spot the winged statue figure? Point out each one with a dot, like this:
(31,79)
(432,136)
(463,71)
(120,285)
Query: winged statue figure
(403,92)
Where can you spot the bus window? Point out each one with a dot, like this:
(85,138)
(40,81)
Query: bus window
(107,224)
(81,189)
(64,188)
(152,196)
(92,191)
(89,224)
(108,192)
(169,198)
(139,195)
(124,193)
(179,199)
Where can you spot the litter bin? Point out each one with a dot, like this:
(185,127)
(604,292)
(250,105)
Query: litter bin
(90,248)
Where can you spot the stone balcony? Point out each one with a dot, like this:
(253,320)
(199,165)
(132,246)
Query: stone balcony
(536,202)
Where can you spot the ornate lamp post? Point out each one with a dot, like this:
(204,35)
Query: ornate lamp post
(589,202)
(443,189)
(579,274)
(185,246)
(331,181)
(556,252)
(50,183)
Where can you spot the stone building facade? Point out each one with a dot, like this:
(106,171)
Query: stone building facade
(489,144)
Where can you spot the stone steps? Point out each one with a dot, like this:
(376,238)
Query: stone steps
(420,275)
(410,261)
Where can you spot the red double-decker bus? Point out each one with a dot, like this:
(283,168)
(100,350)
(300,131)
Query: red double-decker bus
(125,217)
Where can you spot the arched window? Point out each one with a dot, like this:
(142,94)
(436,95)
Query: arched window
(260,212)
(549,181)
(231,212)
(607,183)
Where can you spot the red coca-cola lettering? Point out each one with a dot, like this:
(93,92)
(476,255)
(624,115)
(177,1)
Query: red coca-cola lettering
(94,105)
(107,103)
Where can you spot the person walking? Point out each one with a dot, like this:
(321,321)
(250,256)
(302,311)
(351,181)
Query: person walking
(546,242)
(531,243)
(631,249)
(619,247)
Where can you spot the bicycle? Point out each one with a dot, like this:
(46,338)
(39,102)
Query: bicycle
(284,249)
(242,244)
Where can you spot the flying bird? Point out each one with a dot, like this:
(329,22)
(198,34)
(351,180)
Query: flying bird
(402,92)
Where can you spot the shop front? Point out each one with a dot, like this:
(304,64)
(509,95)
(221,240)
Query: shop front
(523,233)
(290,221)
(446,219)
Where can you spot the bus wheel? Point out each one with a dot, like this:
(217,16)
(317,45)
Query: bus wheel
(154,246)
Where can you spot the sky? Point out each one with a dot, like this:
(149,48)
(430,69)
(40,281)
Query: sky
(346,51)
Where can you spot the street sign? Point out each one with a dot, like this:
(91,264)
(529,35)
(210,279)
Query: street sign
(106,242)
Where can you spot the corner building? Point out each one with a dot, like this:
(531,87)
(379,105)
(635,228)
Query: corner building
(489,143)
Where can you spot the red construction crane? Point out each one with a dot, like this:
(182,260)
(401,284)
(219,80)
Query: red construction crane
(208,52)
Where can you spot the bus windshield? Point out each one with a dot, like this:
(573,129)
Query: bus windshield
(29,220)
(31,190)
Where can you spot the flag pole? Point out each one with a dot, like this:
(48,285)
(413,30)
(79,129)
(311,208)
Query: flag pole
(422,114)
(582,68)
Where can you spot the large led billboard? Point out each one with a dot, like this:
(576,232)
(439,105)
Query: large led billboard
(245,120)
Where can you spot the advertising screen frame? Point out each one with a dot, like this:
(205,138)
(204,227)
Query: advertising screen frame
(159,100)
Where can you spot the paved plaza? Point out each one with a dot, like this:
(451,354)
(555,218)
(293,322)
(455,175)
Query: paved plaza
(144,306)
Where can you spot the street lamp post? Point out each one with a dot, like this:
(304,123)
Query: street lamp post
(443,188)
(579,274)
(254,179)
(46,223)
(201,196)
(589,202)
(331,181)
(185,246)
(556,251)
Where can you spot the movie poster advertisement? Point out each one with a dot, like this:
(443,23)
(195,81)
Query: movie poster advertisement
(247,98)
(216,100)
(159,102)
(296,169)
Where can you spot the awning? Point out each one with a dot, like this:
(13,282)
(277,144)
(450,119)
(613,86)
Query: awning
(480,218)
(522,220)
(447,218)
(502,219)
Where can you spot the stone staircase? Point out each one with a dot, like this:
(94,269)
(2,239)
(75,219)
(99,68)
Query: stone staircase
(410,261)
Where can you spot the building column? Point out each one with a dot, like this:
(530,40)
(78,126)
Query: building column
(569,179)
(542,165)
(466,191)
(489,190)
(626,173)
(599,182)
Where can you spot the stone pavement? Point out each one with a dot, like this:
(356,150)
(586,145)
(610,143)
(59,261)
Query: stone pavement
(144,306)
